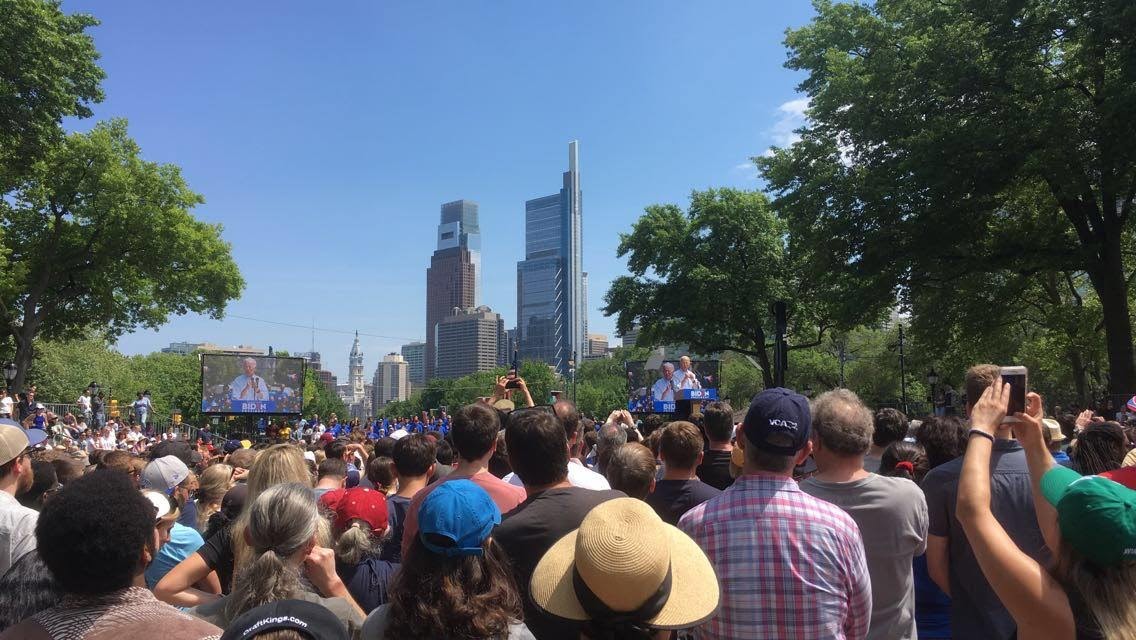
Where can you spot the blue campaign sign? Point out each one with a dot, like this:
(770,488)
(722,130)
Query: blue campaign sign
(253,406)
(698,394)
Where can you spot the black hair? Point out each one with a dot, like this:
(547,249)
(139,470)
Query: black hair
(44,480)
(537,448)
(890,425)
(384,447)
(336,467)
(336,448)
(413,455)
(26,589)
(87,552)
(943,438)
(718,421)
(445,453)
(1100,447)
(474,431)
(900,452)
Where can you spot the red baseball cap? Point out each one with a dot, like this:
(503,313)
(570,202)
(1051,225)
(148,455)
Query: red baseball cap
(359,503)
(1124,475)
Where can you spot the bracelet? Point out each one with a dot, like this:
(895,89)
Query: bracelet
(979,432)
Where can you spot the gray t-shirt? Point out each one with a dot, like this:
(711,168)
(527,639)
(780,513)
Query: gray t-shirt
(892,516)
(375,627)
(976,611)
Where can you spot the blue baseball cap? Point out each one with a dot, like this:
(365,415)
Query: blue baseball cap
(778,412)
(460,511)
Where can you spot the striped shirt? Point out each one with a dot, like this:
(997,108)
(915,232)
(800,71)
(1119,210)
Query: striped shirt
(790,566)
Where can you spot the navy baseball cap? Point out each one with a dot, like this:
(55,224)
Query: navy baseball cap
(778,412)
(309,619)
(460,511)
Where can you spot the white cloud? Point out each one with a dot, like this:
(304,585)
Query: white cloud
(747,168)
(790,116)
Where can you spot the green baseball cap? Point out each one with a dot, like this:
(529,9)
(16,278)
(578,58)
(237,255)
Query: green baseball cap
(1097,516)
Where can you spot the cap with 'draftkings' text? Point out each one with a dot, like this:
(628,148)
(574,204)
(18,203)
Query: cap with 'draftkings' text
(778,421)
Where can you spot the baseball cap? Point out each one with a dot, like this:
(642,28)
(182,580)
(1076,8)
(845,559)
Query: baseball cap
(1096,515)
(460,511)
(306,618)
(160,502)
(231,446)
(778,412)
(359,503)
(13,441)
(164,473)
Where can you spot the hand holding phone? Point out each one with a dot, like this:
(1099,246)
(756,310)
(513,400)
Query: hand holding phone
(1018,379)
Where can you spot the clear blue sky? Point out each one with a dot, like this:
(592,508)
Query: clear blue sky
(325,136)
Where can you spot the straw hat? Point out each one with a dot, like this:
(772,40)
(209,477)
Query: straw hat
(625,559)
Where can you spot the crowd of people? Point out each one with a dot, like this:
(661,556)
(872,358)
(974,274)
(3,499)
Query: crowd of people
(793,518)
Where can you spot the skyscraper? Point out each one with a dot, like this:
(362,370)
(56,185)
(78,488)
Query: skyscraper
(455,271)
(391,381)
(415,356)
(551,308)
(468,341)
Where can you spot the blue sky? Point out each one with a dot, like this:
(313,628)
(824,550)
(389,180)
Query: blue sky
(325,136)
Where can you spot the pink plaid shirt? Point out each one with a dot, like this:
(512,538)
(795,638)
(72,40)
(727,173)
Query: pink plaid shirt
(790,566)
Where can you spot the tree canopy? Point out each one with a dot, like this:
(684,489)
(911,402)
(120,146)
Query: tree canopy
(967,143)
(100,239)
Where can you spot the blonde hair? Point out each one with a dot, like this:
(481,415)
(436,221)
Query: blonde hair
(1107,592)
(212,485)
(357,542)
(278,464)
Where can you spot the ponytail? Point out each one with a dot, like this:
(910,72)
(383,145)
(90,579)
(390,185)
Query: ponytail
(355,543)
(267,578)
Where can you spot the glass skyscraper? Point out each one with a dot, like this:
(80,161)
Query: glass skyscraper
(551,305)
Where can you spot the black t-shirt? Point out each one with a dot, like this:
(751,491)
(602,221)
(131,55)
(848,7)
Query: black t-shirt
(530,530)
(672,498)
(368,581)
(218,555)
(397,507)
(715,469)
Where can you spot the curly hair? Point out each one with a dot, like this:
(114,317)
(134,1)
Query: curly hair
(942,438)
(436,596)
(87,552)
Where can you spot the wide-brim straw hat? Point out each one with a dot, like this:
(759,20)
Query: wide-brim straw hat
(622,552)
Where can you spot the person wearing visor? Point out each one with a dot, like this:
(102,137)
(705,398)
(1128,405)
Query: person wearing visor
(1089,522)
(454,581)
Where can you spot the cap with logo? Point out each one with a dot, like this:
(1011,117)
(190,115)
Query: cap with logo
(164,473)
(310,620)
(359,503)
(460,511)
(778,421)
(1096,515)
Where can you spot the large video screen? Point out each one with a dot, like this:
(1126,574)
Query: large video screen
(651,390)
(251,384)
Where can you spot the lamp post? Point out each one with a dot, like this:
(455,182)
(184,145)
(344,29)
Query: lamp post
(932,380)
(572,375)
(9,374)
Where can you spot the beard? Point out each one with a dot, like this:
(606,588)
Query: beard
(26,479)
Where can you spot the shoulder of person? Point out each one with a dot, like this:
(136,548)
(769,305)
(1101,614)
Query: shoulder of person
(376,623)
(518,631)
(29,629)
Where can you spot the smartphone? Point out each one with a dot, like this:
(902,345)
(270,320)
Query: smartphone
(512,383)
(1018,379)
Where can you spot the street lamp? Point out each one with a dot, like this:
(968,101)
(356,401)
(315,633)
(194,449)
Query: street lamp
(932,380)
(9,373)
(572,375)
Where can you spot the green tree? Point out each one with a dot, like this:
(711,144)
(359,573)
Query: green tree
(706,277)
(100,239)
(929,120)
(48,71)
(318,400)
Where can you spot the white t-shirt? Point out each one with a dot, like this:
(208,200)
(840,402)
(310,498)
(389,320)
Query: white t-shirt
(17,530)
(578,476)
(6,405)
(85,403)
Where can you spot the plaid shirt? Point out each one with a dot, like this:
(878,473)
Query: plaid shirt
(790,566)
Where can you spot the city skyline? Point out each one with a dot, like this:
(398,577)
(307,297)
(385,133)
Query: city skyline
(324,141)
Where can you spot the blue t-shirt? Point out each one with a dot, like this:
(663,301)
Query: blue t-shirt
(932,606)
(188,515)
(367,581)
(183,542)
(397,506)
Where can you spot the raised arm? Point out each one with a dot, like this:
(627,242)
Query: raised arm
(1037,603)
(1029,434)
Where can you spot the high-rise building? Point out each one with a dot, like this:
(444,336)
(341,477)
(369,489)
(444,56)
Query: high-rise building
(551,308)
(584,298)
(454,273)
(391,382)
(628,339)
(597,346)
(326,377)
(415,356)
(468,342)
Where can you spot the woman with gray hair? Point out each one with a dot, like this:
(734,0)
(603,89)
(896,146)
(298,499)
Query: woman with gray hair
(287,563)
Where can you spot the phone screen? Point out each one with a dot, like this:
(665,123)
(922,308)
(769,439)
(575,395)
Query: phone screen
(1016,378)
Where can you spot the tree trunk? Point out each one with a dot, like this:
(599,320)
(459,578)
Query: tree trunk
(1108,279)
(1077,366)
(24,337)
(763,359)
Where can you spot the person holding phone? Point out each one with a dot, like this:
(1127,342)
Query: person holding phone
(976,610)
